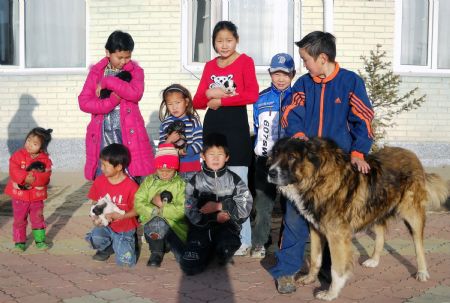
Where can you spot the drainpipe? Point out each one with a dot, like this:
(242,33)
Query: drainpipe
(328,16)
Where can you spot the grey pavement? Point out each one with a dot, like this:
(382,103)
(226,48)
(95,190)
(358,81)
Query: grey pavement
(67,273)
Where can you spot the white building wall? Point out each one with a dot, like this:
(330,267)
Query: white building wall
(50,100)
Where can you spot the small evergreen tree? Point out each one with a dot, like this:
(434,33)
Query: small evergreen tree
(383,90)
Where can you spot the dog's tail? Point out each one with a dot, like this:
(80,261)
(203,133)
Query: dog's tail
(437,191)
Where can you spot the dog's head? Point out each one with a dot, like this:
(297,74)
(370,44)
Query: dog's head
(294,161)
(36,166)
(98,208)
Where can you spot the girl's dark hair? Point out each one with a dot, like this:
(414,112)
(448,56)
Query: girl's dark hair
(215,140)
(44,136)
(316,43)
(116,154)
(119,41)
(229,26)
(176,88)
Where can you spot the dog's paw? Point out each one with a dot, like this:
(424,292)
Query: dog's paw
(371,263)
(305,280)
(422,276)
(326,295)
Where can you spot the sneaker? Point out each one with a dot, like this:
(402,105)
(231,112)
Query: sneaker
(41,245)
(20,246)
(258,252)
(102,255)
(243,250)
(286,284)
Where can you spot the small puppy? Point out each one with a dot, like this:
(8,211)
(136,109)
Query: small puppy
(178,127)
(102,207)
(34,166)
(123,75)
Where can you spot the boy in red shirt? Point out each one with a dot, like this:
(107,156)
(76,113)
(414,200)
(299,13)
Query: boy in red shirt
(119,236)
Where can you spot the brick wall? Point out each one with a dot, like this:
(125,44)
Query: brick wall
(50,100)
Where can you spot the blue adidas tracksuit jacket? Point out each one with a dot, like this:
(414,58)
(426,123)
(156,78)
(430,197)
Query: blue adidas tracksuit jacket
(336,107)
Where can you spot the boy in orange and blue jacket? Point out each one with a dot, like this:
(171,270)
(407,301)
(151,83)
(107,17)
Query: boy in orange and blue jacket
(328,102)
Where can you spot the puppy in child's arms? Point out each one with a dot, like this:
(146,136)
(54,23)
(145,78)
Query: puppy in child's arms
(101,208)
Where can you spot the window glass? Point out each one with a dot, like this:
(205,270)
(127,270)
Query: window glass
(55,33)
(201,30)
(444,35)
(414,47)
(9,32)
(265,27)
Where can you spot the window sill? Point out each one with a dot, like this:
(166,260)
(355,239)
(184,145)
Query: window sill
(42,71)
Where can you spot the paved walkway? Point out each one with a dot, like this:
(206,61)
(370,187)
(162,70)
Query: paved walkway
(66,272)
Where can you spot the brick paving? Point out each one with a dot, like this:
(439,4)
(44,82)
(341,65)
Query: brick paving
(66,272)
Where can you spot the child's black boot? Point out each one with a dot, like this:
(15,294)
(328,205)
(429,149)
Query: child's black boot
(157,252)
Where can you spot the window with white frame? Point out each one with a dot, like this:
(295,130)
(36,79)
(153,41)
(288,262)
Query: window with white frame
(265,27)
(422,39)
(42,34)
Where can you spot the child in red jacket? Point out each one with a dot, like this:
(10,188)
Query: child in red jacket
(29,173)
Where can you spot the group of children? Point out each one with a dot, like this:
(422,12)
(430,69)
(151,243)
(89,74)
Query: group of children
(199,210)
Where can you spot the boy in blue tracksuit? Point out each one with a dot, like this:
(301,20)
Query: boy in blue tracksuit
(267,113)
(328,102)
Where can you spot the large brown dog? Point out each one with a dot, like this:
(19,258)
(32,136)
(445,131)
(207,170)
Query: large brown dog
(338,201)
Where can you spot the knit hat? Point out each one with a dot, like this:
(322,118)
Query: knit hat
(282,62)
(167,156)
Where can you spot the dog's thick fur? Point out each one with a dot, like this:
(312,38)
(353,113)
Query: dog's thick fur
(338,201)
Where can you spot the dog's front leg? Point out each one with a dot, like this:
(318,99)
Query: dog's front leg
(317,242)
(340,244)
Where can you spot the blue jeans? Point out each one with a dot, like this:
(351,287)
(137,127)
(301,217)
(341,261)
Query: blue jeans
(246,231)
(123,243)
(292,248)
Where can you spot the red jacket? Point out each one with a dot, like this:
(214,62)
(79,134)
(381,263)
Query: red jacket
(18,163)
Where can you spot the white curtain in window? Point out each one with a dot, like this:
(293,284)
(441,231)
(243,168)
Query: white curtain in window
(265,27)
(201,30)
(55,33)
(414,32)
(444,36)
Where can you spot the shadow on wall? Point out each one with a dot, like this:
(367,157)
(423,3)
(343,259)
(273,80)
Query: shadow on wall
(21,123)
(152,128)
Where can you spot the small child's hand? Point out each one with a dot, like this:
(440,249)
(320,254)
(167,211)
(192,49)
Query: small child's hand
(215,93)
(223,217)
(29,179)
(113,216)
(361,164)
(211,207)
(97,90)
(214,104)
(157,201)
(182,152)
(173,137)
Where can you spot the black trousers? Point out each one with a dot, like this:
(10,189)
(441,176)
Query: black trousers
(221,240)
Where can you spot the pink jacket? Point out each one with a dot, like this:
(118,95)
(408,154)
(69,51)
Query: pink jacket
(134,134)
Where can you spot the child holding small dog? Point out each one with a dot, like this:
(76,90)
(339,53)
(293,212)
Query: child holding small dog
(28,187)
(217,203)
(119,236)
(227,85)
(159,203)
(328,102)
(111,93)
(180,125)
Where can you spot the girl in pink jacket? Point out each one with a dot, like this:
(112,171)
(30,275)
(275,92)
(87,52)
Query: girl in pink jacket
(111,93)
